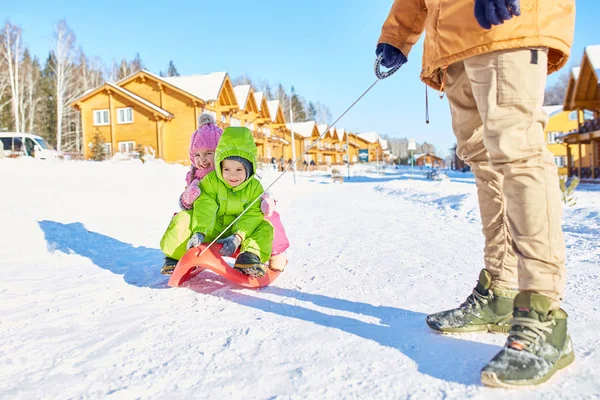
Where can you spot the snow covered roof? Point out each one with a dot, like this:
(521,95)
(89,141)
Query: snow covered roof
(371,137)
(593,54)
(323,127)
(575,72)
(417,156)
(141,100)
(207,87)
(304,129)
(340,133)
(551,110)
(383,143)
(273,106)
(258,96)
(241,94)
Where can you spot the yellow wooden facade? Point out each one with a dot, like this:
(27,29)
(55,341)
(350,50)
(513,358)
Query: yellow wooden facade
(561,122)
(583,96)
(145,126)
(147,111)
(354,144)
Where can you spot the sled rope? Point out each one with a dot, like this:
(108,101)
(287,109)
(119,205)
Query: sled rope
(380,76)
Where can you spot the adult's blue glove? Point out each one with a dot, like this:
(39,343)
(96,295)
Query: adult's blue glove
(230,245)
(392,57)
(495,12)
(195,240)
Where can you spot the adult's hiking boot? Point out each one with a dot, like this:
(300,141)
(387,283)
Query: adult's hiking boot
(168,266)
(249,264)
(537,346)
(484,310)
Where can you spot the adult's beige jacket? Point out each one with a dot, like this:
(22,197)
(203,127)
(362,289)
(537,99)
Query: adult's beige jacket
(452,33)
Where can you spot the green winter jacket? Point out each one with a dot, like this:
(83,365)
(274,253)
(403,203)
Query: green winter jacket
(219,204)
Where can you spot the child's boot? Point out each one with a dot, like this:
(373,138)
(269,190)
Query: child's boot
(249,264)
(168,266)
(278,262)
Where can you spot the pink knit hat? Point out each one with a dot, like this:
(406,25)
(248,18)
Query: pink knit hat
(206,136)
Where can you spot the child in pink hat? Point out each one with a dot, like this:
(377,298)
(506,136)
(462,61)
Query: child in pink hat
(202,155)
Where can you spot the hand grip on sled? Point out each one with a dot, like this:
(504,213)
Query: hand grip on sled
(195,261)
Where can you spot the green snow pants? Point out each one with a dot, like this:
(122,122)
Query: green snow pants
(174,241)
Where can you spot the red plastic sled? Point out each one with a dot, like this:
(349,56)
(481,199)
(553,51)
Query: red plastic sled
(191,264)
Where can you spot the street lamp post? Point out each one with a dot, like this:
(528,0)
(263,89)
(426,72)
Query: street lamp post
(412,146)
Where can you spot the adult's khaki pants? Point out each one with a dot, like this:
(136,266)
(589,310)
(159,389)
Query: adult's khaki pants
(496,103)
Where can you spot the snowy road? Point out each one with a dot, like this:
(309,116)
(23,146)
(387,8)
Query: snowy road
(84,312)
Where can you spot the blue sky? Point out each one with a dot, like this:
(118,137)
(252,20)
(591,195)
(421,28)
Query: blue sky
(325,49)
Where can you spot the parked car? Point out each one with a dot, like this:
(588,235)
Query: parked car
(35,146)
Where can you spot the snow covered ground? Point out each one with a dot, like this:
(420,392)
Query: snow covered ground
(85,313)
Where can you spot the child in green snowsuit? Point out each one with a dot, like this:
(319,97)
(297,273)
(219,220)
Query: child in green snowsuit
(225,193)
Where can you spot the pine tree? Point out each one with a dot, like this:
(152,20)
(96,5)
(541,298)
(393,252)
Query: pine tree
(136,64)
(266,88)
(283,98)
(297,107)
(172,71)
(47,109)
(311,112)
(97,148)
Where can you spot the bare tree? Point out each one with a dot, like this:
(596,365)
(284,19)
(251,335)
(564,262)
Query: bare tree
(64,42)
(29,97)
(88,75)
(555,94)
(4,82)
(11,55)
(121,70)
(243,80)
(89,72)
(323,113)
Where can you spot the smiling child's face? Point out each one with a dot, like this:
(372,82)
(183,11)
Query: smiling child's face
(233,172)
(204,159)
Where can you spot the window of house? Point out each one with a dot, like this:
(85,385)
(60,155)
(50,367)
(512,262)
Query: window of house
(587,115)
(552,137)
(223,118)
(125,115)
(320,158)
(559,161)
(101,117)
(268,152)
(573,115)
(267,131)
(126,147)
(234,122)
(107,149)
(306,143)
